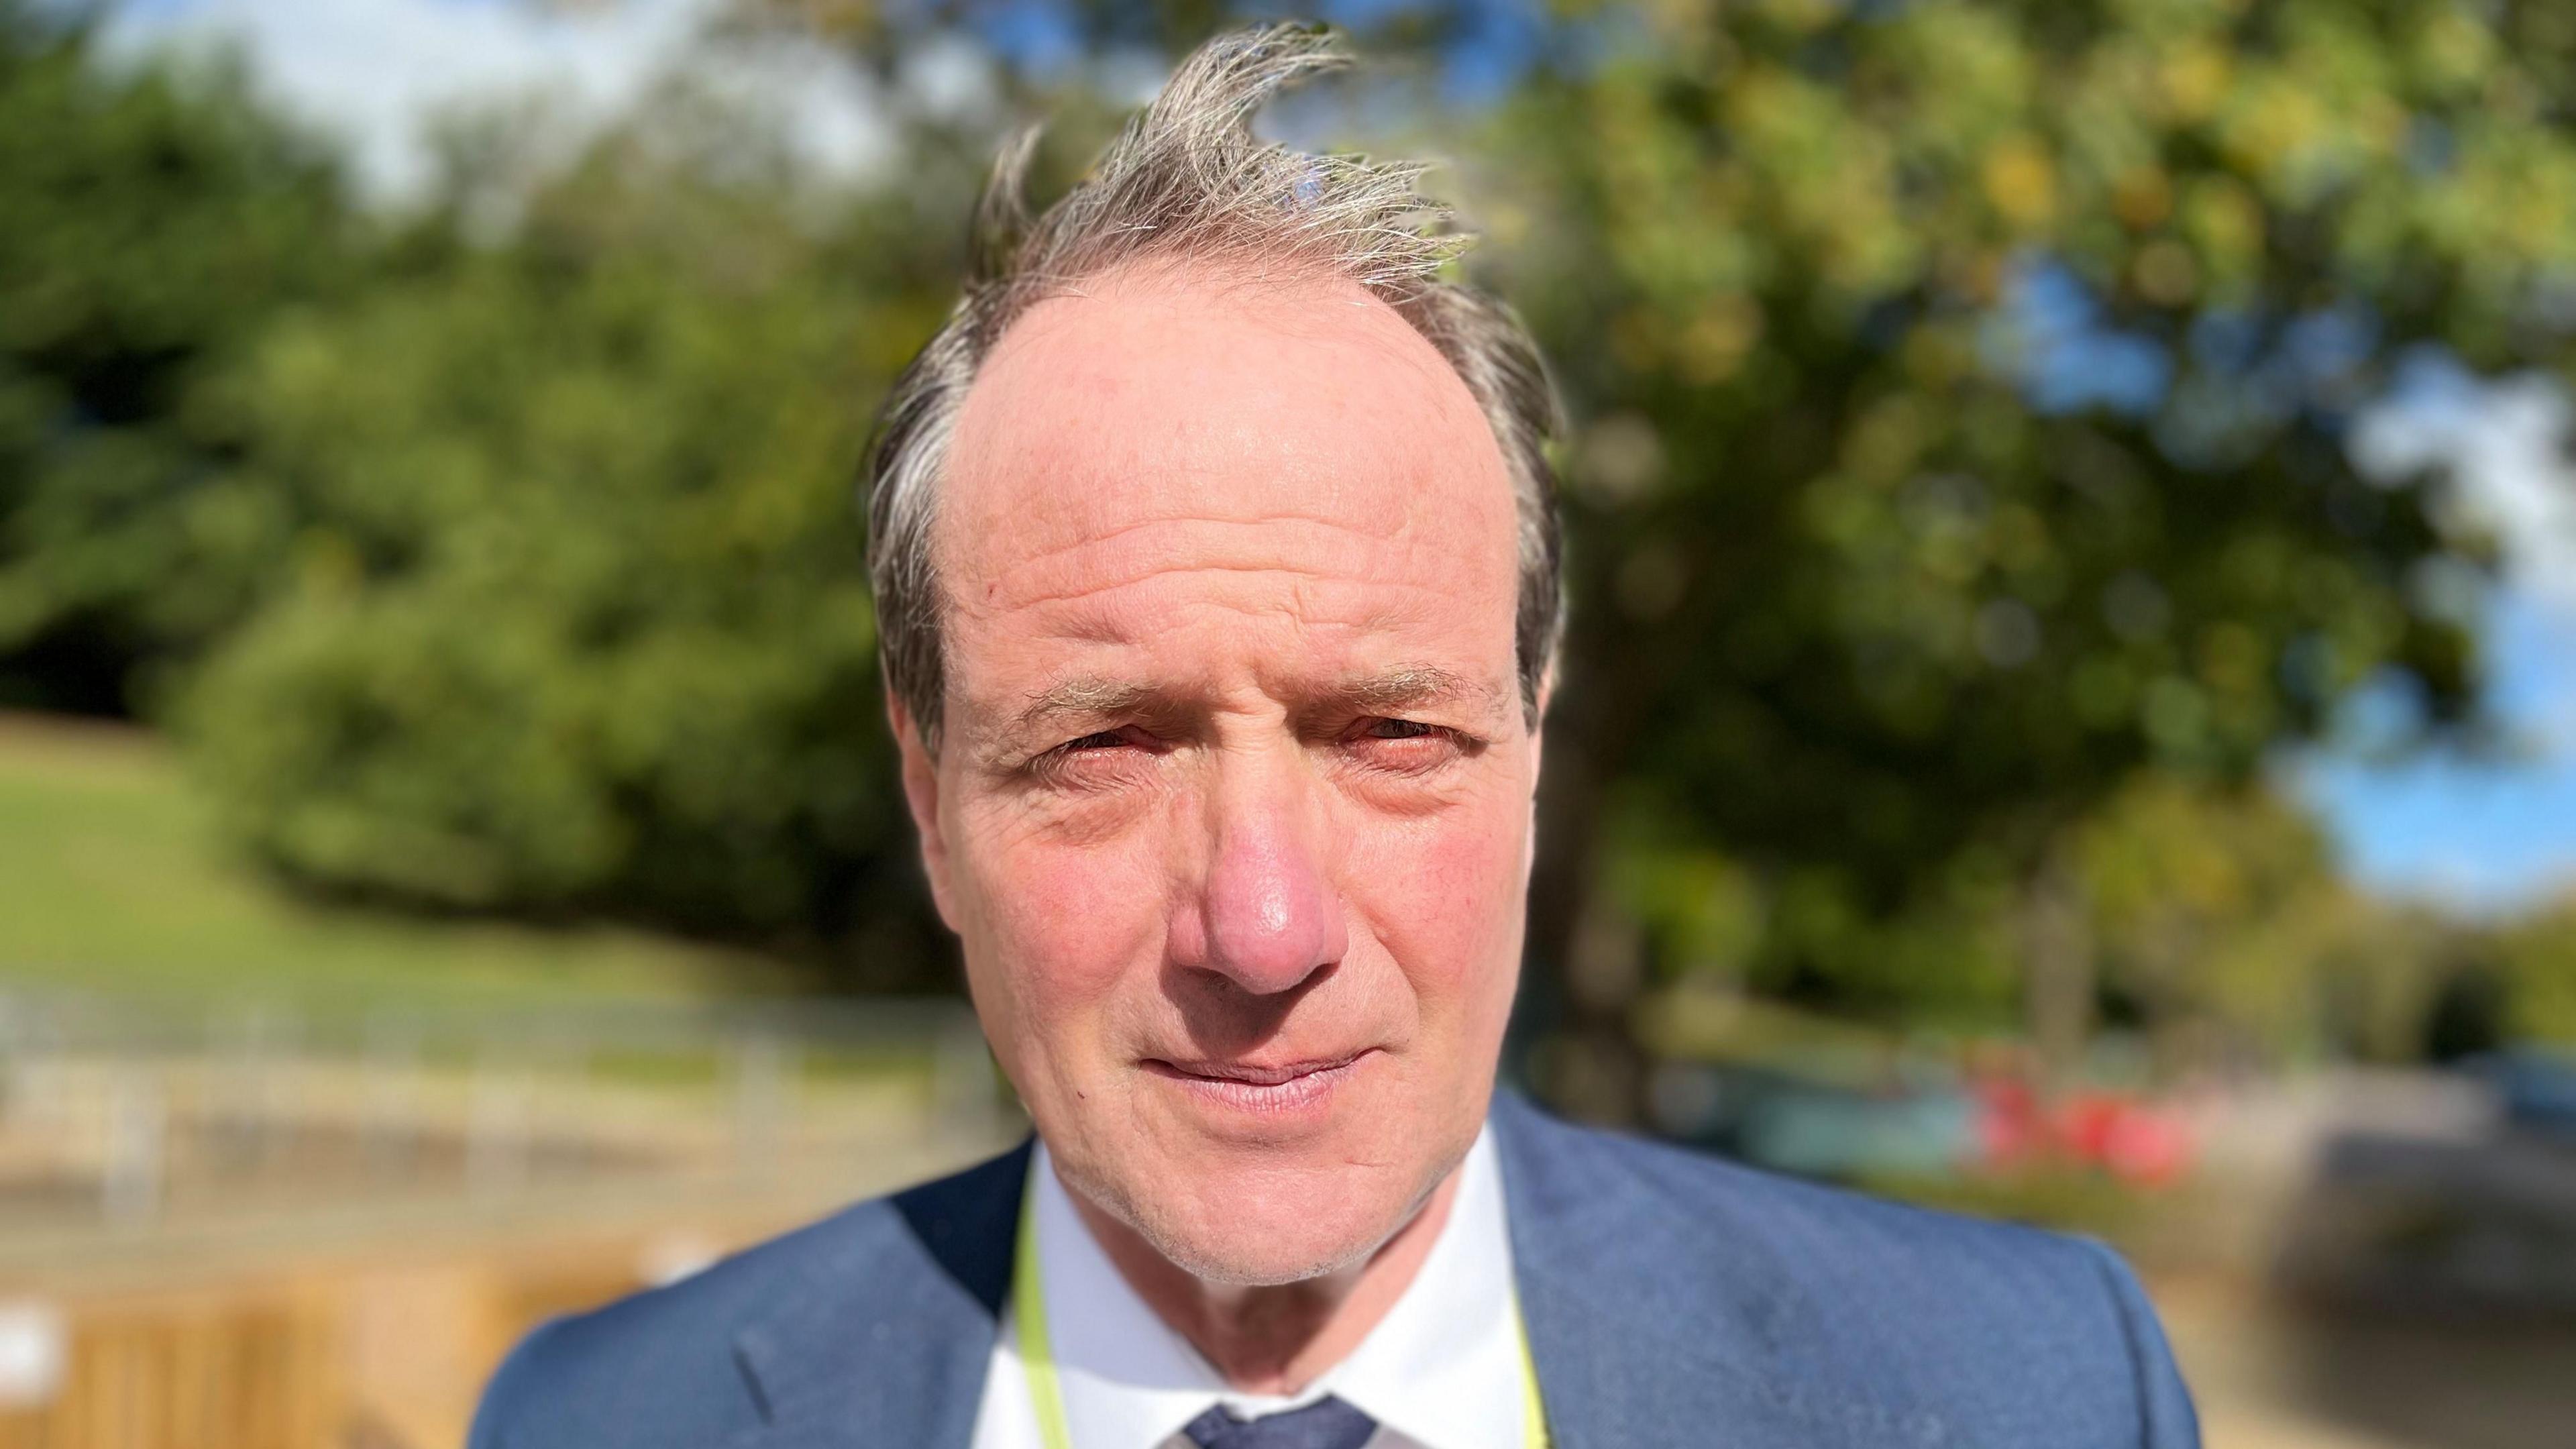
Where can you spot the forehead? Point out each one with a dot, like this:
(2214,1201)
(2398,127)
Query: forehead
(1161,438)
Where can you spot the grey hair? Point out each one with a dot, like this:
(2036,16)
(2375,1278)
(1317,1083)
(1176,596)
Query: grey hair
(1186,179)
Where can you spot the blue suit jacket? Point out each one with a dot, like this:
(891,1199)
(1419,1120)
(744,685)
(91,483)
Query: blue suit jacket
(1671,1299)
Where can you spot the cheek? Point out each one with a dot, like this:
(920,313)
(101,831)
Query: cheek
(1443,895)
(1055,929)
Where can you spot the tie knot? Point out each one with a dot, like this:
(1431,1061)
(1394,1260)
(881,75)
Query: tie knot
(1327,1423)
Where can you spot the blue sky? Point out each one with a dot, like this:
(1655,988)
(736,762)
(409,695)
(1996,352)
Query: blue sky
(378,73)
(2487,835)
(2484,834)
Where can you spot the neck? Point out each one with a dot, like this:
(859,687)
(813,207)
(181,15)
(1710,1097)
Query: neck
(1275,1339)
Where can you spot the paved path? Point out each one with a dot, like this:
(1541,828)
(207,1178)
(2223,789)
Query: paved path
(2267,1378)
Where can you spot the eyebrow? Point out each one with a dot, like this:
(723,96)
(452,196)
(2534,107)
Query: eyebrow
(1080,697)
(1406,686)
(1403,687)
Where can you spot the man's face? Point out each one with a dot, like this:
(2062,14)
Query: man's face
(1232,810)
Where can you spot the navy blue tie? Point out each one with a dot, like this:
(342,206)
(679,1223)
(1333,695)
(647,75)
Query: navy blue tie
(1327,1423)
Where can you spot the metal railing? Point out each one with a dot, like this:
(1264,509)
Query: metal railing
(114,1116)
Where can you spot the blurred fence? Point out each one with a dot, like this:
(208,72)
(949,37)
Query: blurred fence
(260,1227)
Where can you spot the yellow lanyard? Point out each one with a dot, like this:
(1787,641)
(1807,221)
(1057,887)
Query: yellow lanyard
(1037,1353)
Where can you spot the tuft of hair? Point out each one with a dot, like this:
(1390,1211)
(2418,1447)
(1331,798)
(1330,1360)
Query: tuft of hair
(1187,180)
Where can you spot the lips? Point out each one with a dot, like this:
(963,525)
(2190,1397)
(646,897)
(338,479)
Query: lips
(1261,1087)
(1253,1073)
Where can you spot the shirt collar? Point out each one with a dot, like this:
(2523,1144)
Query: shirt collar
(1444,1367)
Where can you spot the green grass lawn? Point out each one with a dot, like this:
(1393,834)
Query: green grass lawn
(112,880)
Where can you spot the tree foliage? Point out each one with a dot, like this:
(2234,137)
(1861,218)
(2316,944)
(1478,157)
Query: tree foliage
(2538,960)
(576,617)
(155,222)
(1966,403)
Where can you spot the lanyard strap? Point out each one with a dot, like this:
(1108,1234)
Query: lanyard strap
(1046,1389)
(1028,1316)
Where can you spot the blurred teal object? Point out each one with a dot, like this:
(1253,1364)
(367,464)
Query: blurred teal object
(1792,1123)
(1825,1133)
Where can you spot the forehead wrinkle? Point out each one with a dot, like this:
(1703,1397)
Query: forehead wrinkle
(1244,546)
(1399,523)
(1155,602)
(1137,551)
(1101,617)
(1058,505)
(1173,550)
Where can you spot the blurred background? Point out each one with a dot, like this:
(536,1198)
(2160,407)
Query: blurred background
(2070,714)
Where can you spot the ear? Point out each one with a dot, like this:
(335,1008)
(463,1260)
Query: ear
(921,796)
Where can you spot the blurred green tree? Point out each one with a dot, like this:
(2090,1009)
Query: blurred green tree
(577,618)
(2225,930)
(155,224)
(2538,957)
(1963,391)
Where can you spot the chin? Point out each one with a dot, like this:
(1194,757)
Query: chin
(1263,1218)
(1276,1244)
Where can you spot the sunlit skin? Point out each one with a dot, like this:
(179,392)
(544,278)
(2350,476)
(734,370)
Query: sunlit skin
(1232,807)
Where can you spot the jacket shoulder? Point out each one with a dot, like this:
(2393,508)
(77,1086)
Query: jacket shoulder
(667,1366)
(1912,1310)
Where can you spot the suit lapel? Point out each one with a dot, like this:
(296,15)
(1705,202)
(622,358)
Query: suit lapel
(888,1342)
(1631,1347)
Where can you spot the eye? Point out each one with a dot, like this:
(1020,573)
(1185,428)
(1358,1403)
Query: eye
(1399,747)
(1097,758)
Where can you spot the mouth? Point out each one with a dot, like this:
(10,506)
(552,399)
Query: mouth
(1261,1087)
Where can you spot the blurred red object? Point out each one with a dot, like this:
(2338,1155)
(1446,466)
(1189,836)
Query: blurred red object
(2011,1129)
(2127,1136)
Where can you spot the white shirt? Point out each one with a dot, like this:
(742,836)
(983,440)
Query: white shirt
(1443,1370)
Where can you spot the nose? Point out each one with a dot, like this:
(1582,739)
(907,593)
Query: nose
(1267,916)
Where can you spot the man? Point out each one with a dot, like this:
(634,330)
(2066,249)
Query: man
(1217,575)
